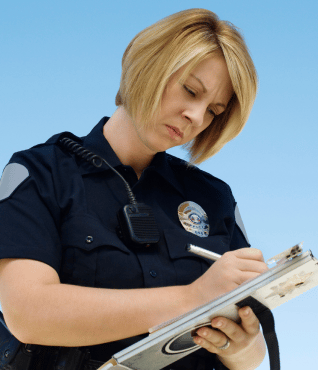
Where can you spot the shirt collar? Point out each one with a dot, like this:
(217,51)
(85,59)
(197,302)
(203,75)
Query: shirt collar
(162,165)
(97,143)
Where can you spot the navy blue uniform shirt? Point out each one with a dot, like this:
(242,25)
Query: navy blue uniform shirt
(61,210)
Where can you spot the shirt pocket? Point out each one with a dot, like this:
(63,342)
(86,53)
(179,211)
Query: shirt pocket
(84,239)
(190,266)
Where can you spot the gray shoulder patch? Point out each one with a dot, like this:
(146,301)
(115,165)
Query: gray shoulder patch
(239,222)
(13,175)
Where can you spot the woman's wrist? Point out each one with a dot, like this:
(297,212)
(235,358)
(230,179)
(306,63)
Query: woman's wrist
(247,359)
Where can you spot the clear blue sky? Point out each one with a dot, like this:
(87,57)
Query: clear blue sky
(60,70)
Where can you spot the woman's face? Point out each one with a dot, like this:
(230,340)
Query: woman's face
(188,109)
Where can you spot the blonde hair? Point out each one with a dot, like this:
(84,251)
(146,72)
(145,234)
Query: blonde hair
(189,36)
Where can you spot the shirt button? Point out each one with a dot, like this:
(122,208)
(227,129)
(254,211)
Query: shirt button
(89,239)
(153,273)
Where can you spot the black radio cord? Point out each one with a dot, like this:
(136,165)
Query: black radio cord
(137,224)
(95,160)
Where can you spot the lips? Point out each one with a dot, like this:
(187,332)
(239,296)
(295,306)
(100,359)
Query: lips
(176,130)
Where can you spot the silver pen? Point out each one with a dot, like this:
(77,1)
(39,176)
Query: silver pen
(287,255)
(202,252)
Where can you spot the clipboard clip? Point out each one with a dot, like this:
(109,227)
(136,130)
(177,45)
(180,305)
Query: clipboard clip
(288,254)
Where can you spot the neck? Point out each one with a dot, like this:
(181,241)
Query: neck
(121,133)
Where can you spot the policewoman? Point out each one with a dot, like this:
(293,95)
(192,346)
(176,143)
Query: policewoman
(70,277)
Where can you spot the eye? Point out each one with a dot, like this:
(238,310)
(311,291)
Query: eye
(188,90)
(211,112)
(194,94)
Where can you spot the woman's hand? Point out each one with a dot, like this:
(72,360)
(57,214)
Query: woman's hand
(227,273)
(246,348)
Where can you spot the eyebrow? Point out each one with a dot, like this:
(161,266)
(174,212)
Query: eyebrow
(205,90)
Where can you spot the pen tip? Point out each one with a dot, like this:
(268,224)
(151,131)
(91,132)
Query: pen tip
(187,248)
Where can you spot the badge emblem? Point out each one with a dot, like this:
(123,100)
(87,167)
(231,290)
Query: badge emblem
(194,219)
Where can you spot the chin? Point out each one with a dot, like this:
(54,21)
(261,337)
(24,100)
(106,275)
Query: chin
(156,146)
(160,143)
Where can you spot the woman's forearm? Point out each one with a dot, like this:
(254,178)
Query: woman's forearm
(68,315)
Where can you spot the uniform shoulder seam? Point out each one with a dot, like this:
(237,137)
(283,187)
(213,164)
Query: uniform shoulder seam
(50,143)
(207,174)
(175,161)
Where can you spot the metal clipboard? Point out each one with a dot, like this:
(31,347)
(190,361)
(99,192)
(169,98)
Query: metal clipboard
(294,273)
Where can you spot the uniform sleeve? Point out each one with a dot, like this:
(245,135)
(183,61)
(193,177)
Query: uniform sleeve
(29,215)
(239,237)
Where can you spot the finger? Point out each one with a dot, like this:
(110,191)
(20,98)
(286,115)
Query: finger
(230,328)
(206,344)
(250,322)
(210,339)
(252,266)
(249,253)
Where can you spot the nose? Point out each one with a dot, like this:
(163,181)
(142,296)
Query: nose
(195,114)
